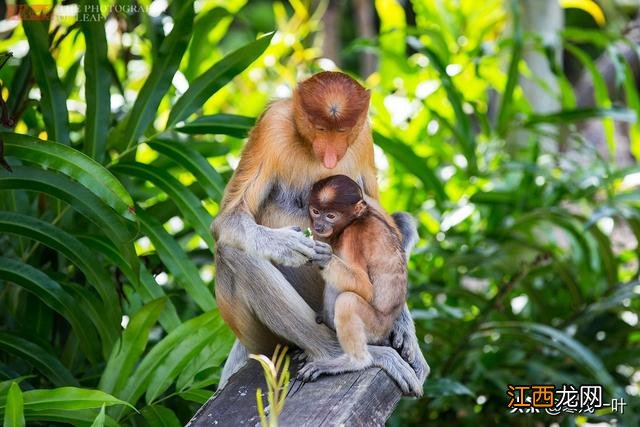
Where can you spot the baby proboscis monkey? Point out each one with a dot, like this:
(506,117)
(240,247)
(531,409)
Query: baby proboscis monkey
(365,279)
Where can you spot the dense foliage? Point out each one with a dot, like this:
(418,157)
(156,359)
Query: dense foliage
(120,136)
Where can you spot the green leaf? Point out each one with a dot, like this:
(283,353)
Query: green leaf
(53,295)
(160,416)
(600,92)
(14,411)
(210,357)
(216,77)
(165,373)
(462,123)
(73,249)
(177,261)
(440,387)
(97,84)
(68,398)
(99,421)
(77,196)
(553,338)
(81,418)
(74,164)
(165,65)
(139,381)
(38,357)
(184,155)
(219,124)
(199,396)
(413,163)
(130,347)
(505,113)
(633,101)
(144,283)
(566,116)
(53,102)
(189,205)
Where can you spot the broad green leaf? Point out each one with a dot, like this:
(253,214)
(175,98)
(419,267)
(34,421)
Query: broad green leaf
(212,356)
(199,396)
(177,261)
(52,294)
(553,338)
(165,65)
(144,284)
(53,102)
(616,113)
(80,418)
(633,102)
(505,112)
(38,357)
(97,83)
(72,248)
(219,124)
(99,421)
(74,164)
(166,373)
(184,155)
(160,416)
(68,398)
(463,123)
(20,85)
(129,348)
(413,163)
(439,387)
(216,77)
(600,92)
(189,205)
(14,411)
(139,381)
(77,196)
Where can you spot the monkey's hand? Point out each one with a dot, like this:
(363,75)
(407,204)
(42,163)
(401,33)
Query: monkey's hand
(322,255)
(403,339)
(285,246)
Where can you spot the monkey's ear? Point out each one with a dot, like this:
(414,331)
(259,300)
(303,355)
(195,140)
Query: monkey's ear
(360,208)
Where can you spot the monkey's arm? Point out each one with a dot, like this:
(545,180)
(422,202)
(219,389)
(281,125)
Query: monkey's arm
(348,277)
(249,187)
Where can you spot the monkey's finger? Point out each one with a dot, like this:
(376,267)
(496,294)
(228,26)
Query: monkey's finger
(322,248)
(296,228)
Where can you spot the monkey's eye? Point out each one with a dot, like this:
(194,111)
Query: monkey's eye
(315,211)
(331,216)
(321,129)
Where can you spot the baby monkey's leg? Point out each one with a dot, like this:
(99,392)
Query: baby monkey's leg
(356,324)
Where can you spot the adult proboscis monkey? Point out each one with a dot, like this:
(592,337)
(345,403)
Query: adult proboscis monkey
(268,286)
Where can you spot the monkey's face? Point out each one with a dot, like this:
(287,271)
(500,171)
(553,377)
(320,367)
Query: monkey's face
(326,223)
(329,145)
(330,111)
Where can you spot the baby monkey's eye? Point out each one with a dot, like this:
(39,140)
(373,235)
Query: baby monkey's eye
(331,216)
(315,211)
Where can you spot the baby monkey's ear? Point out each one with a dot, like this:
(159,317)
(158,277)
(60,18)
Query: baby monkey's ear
(360,208)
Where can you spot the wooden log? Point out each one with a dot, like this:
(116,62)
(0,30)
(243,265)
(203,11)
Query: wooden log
(364,398)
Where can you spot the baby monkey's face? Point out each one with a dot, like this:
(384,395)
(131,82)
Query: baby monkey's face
(325,222)
(334,203)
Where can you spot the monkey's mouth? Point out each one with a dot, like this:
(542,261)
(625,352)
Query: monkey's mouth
(323,235)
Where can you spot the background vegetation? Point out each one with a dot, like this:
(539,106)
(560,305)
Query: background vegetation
(119,136)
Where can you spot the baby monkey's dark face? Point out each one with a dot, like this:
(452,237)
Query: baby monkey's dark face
(334,203)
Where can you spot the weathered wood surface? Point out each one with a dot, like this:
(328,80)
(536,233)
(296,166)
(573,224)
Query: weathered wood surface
(364,398)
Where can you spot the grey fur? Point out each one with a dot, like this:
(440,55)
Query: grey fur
(407,226)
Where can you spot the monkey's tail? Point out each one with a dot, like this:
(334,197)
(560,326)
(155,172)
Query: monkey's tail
(408,228)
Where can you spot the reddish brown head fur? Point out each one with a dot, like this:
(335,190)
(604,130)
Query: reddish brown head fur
(333,100)
(337,192)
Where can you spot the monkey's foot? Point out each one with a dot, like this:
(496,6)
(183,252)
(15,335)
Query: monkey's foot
(341,364)
(300,356)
